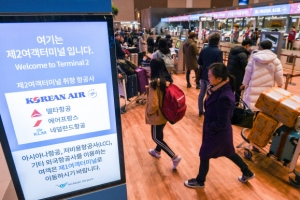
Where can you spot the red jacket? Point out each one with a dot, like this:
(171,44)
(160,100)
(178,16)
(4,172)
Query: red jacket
(292,35)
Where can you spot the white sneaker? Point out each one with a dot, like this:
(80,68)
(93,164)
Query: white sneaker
(154,153)
(176,161)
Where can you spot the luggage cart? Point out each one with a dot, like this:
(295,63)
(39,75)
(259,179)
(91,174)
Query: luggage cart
(138,96)
(291,165)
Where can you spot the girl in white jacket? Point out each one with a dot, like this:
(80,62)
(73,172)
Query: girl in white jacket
(262,71)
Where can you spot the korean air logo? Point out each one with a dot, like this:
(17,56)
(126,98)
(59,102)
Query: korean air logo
(92,93)
(284,9)
(57,97)
(62,185)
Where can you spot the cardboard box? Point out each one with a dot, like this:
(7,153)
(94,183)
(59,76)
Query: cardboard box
(287,111)
(262,130)
(269,99)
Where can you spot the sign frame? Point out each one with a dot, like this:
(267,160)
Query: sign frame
(3,138)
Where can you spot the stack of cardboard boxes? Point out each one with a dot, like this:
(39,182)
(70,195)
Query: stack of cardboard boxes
(276,105)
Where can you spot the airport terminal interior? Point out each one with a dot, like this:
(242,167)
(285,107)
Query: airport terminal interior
(150,178)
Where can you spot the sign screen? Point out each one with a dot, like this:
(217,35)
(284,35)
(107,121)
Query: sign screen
(243,2)
(58,106)
(54,6)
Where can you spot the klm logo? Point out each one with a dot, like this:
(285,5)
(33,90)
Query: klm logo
(62,185)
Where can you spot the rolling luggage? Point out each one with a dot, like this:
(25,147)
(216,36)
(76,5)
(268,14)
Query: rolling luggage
(284,142)
(142,79)
(134,58)
(131,86)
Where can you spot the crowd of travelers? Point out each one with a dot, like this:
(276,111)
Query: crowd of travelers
(220,87)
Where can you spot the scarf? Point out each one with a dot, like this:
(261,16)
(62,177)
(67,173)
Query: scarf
(211,88)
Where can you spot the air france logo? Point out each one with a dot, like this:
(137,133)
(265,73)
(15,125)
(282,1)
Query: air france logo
(57,97)
(62,185)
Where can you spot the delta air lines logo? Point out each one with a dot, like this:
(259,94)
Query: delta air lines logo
(56,97)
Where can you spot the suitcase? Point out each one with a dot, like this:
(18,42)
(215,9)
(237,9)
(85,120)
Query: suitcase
(131,86)
(284,143)
(134,58)
(142,79)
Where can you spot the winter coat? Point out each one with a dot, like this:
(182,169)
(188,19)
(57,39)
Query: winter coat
(217,130)
(262,71)
(119,51)
(237,62)
(236,36)
(208,56)
(154,102)
(190,52)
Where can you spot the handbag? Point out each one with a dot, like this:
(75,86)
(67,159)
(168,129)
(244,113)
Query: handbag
(242,115)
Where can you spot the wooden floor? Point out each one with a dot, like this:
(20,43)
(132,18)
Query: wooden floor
(151,178)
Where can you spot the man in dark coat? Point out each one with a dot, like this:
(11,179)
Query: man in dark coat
(150,43)
(208,56)
(119,51)
(190,52)
(237,62)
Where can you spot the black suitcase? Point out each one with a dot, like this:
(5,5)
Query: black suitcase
(131,86)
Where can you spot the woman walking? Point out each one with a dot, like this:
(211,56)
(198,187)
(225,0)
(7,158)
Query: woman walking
(217,138)
(160,79)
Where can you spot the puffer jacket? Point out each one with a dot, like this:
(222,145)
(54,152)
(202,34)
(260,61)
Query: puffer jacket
(237,62)
(264,69)
(191,52)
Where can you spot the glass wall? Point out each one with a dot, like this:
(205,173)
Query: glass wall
(275,22)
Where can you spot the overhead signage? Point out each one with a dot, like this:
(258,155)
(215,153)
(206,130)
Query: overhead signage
(283,9)
(208,18)
(295,8)
(53,6)
(179,18)
(239,13)
(272,10)
(58,106)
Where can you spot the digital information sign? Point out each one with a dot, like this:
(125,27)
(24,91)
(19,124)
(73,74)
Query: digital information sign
(276,39)
(58,107)
(55,6)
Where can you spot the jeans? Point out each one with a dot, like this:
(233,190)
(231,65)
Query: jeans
(204,84)
(290,45)
(187,75)
(204,167)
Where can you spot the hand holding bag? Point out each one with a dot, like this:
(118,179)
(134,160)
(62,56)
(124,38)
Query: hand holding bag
(242,115)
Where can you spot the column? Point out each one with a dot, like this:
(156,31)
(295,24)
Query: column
(288,24)
(255,23)
(200,31)
(243,23)
(215,24)
(263,23)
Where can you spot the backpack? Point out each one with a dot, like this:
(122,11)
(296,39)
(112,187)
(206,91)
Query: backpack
(167,59)
(173,105)
(127,66)
(135,40)
(254,36)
